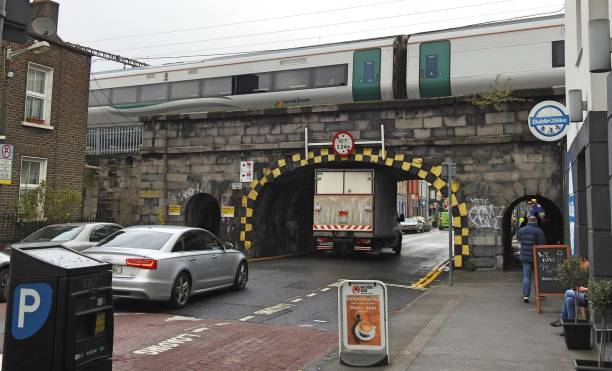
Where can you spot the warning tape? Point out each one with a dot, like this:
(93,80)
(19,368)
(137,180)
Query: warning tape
(341,227)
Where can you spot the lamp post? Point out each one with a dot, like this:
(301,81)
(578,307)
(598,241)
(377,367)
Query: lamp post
(38,47)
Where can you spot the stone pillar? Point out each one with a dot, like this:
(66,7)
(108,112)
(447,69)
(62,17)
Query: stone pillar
(578,170)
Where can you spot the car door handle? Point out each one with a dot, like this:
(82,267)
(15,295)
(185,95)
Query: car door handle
(192,259)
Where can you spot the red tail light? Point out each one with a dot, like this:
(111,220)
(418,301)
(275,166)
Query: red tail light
(141,263)
(363,242)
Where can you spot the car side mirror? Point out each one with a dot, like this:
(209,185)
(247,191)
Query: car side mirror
(228,245)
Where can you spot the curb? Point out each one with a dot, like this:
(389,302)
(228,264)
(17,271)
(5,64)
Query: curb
(429,277)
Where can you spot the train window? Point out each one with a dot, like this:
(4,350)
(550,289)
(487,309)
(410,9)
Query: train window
(253,83)
(185,89)
(155,92)
(99,97)
(292,79)
(558,53)
(125,95)
(431,66)
(217,87)
(368,72)
(330,76)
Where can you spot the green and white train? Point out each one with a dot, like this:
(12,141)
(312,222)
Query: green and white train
(518,54)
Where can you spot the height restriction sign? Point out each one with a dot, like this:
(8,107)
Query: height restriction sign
(343,143)
(6,163)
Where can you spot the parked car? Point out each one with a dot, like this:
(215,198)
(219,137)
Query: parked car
(411,225)
(5,260)
(170,263)
(425,223)
(76,236)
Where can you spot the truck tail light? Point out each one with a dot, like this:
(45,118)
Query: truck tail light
(363,242)
(141,263)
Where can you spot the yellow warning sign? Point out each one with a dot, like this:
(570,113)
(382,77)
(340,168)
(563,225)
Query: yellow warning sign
(227,211)
(174,210)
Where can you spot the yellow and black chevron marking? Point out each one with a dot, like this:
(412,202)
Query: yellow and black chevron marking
(412,165)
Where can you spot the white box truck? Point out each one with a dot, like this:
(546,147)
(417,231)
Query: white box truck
(355,210)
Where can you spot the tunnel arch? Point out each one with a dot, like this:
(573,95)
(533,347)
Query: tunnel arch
(413,166)
(553,229)
(203,211)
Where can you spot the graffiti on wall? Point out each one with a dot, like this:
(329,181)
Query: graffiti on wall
(484,213)
(181,195)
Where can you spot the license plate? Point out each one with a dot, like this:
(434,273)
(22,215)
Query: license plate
(117,268)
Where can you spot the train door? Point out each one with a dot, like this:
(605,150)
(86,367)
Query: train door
(366,75)
(434,80)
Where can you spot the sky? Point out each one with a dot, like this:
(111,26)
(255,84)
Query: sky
(158,32)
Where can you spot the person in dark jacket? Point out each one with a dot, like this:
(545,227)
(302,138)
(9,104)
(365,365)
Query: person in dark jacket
(528,236)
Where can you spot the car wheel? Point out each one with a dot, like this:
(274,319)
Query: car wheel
(4,281)
(242,276)
(181,290)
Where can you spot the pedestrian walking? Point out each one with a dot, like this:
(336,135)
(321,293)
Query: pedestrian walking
(528,236)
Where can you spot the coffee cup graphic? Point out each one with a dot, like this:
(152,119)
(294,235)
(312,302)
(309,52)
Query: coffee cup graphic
(365,330)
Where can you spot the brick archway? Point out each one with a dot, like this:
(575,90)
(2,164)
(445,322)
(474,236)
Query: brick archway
(412,165)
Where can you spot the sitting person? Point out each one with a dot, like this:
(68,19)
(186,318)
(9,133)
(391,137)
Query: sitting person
(569,301)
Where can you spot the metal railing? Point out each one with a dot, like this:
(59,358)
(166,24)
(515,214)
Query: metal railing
(113,141)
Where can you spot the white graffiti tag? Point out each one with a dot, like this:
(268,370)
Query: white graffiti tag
(486,216)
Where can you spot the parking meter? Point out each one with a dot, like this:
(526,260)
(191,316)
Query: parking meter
(59,311)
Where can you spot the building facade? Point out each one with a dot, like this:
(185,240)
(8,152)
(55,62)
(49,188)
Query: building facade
(588,164)
(45,118)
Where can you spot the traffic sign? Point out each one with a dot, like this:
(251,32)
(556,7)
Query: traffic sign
(6,163)
(31,308)
(246,171)
(343,144)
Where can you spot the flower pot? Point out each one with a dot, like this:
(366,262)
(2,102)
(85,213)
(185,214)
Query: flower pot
(577,334)
(588,365)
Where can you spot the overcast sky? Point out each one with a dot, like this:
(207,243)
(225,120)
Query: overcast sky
(194,29)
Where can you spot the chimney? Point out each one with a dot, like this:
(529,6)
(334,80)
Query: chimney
(44,9)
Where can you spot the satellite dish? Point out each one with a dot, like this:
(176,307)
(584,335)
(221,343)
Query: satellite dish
(44,27)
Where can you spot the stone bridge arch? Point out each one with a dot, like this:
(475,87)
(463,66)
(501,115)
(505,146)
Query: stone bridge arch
(409,164)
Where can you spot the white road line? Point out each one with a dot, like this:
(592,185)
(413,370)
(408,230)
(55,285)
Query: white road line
(182,318)
(326,289)
(275,308)
(335,284)
(222,324)
(296,300)
(400,286)
(200,329)
(243,319)
(305,325)
(311,295)
(319,320)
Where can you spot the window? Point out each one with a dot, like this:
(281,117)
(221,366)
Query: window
(155,92)
(99,97)
(211,242)
(558,53)
(101,232)
(38,94)
(137,239)
(253,83)
(292,80)
(368,72)
(55,233)
(330,76)
(125,95)
(33,173)
(185,89)
(431,66)
(217,87)
(191,242)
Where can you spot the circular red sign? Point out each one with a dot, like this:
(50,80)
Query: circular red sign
(343,144)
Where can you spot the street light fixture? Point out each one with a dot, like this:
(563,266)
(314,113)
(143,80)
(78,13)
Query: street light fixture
(38,47)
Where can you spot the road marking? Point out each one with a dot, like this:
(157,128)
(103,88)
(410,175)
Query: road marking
(325,289)
(319,321)
(279,257)
(311,295)
(274,309)
(222,324)
(429,277)
(200,329)
(296,300)
(166,345)
(335,284)
(182,318)
(305,325)
(243,319)
(400,286)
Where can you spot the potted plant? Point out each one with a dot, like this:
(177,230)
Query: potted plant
(575,274)
(600,299)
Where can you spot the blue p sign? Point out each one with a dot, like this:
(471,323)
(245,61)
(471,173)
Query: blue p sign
(31,308)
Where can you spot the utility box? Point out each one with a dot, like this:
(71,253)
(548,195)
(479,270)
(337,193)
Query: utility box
(59,312)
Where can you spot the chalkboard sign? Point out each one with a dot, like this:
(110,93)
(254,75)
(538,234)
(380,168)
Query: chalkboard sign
(546,259)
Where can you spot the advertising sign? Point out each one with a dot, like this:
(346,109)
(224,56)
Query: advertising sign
(343,144)
(549,121)
(362,319)
(6,163)
(246,171)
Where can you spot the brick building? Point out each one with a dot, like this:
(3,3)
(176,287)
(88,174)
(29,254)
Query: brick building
(46,116)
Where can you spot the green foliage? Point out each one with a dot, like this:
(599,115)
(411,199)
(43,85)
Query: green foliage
(495,97)
(600,296)
(47,202)
(572,273)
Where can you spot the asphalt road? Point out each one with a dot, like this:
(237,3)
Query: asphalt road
(296,290)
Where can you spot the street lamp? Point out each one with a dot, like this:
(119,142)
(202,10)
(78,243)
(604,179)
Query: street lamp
(38,47)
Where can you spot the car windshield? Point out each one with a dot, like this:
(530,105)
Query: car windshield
(136,239)
(55,233)
(411,221)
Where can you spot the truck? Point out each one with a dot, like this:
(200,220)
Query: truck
(355,211)
(444,220)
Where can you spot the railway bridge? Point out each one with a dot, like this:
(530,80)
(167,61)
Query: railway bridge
(188,169)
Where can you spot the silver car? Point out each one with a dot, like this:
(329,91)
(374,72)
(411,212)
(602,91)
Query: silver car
(170,263)
(4,276)
(76,236)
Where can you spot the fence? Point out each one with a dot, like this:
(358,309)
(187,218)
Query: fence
(113,141)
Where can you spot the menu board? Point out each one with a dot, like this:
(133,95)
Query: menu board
(546,259)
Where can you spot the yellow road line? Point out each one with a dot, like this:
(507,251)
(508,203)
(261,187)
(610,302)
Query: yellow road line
(279,256)
(430,276)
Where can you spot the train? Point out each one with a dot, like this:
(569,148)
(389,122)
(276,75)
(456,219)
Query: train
(517,54)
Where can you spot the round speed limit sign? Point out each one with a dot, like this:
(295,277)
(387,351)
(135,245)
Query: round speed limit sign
(343,143)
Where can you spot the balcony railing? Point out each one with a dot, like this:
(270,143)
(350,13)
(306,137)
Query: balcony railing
(113,141)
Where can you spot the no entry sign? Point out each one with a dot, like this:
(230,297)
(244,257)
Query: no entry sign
(343,144)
